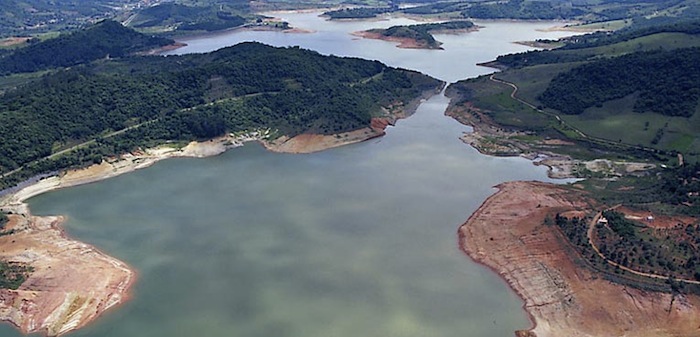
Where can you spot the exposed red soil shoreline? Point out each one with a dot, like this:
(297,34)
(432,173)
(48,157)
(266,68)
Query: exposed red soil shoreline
(508,235)
(80,282)
(71,284)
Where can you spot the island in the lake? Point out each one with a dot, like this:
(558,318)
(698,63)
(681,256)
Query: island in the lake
(418,36)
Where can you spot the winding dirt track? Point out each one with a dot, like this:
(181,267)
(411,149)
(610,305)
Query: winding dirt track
(567,125)
(591,226)
(507,233)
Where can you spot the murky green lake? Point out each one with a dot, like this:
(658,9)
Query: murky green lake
(355,241)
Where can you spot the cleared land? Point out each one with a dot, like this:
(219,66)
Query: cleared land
(565,298)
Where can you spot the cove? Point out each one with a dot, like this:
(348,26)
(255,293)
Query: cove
(355,241)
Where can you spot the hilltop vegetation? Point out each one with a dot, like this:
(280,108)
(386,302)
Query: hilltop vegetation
(640,235)
(521,9)
(422,33)
(29,17)
(634,93)
(358,13)
(666,82)
(105,39)
(641,35)
(32,17)
(143,101)
(172,16)
(584,10)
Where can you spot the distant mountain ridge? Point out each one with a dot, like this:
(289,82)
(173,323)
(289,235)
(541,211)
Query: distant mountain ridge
(191,18)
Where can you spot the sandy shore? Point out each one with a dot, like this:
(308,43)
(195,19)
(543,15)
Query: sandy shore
(308,143)
(11,41)
(163,49)
(507,234)
(73,283)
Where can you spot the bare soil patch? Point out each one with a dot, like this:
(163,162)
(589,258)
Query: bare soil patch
(507,233)
(403,42)
(71,284)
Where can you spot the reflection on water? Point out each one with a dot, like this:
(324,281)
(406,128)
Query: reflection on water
(355,241)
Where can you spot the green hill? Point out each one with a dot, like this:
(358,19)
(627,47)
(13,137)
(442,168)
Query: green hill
(28,17)
(635,92)
(422,33)
(666,82)
(104,39)
(119,105)
(181,17)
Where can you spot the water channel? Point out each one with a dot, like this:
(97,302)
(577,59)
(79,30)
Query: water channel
(355,241)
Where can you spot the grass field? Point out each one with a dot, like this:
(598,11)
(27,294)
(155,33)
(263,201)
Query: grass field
(613,120)
(532,81)
(12,81)
(604,25)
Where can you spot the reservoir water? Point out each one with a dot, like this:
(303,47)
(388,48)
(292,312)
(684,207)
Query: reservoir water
(355,241)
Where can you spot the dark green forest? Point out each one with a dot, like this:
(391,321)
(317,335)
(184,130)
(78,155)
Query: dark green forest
(662,251)
(521,9)
(640,27)
(155,99)
(668,83)
(105,39)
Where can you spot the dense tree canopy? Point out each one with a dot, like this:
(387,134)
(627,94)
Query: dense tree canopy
(521,9)
(183,17)
(105,39)
(422,32)
(154,99)
(358,13)
(668,82)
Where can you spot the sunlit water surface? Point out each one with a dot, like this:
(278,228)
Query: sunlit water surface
(355,241)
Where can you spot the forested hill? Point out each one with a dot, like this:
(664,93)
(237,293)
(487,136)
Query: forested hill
(655,60)
(422,33)
(634,91)
(668,83)
(104,39)
(154,99)
(642,35)
(216,16)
